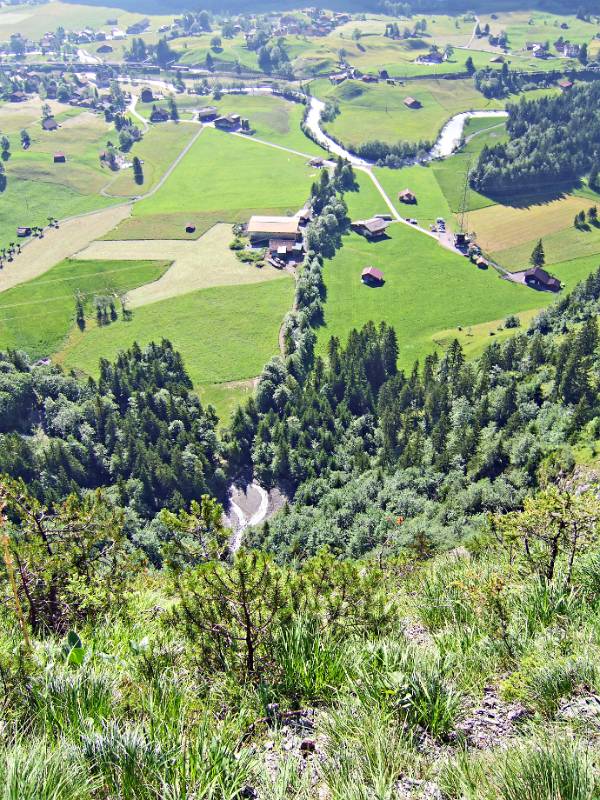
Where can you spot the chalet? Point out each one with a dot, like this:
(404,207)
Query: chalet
(59,158)
(408,197)
(316,162)
(190,227)
(263,229)
(159,115)
(230,122)
(411,102)
(571,50)
(23,231)
(370,228)
(208,114)
(540,52)
(146,95)
(434,57)
(49,124)
(538,278)
(17,97)
(104,48)
(372,276)
(138,27)
(565,84)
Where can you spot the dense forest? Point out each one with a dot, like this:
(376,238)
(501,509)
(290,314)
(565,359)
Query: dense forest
(553,141)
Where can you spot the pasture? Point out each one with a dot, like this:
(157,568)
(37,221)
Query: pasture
(427,289)
(377,111)
(563,245)
(421,180)
(196,264)
(539,26)
(36,316)
(224,334)
(228,177)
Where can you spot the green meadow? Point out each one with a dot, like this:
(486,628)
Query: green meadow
(37,316)
(427,289)
(421,180)
(229,176)
(224,334)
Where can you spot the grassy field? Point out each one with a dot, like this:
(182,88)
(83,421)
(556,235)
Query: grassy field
(193,51)
(34,20)
(421,180)
(427,290)
(197,264)
(377,111)
(563,245)
(37,316)
(224,334)
(538,26)
(501,227)
(227,176)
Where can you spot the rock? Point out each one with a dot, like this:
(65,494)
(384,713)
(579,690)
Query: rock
(248,793)
(585,709)
(307,746)
(492,722)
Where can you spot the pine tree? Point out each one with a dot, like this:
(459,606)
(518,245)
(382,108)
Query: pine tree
(538,256)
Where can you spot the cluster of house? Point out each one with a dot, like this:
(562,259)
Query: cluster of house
(282,237)
(321,23)
(345,72)
(565,48)
(75,89)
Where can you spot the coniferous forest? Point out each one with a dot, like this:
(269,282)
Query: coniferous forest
(553,143)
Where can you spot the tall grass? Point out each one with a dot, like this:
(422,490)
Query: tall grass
(311,663)
(559,679)
(38,772)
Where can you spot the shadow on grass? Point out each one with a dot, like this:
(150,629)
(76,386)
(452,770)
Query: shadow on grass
(539,196)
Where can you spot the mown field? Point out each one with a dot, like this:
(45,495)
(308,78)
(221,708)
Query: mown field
(37,316)
(229,177)
(539,26)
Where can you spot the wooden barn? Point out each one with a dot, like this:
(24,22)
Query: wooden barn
(408,197)
(370,228)
(159,115)
(371,276)
(23,231)
(411,102)
(265,229)
(538,278)
(146,95)
(59,158)
(190,227)
(230,122)
(49,124)
(208,114)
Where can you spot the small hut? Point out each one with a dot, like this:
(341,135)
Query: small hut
(23,231)
(190,227)
(371,276)
(408,197)
(411,102)
(59,158)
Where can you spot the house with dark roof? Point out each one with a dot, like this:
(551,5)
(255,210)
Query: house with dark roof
(146,95)
(411,102)
(371,276)
(104,48)
(370,228)
(59,158)
(538,278)
(208,114)
(17,97)
(159,115)
(49,124)
(230,122)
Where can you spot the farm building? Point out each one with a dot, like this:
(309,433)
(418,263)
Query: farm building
(370,228)
(460,241)
(208,114)
(230,122)
(159,115)
(261,229)
(59,158)
(338,77)
(411,102)
(497,60)
(104,48)
(482,263)
(565,84)
(190,227)
(538,278)
(49,124)
(17,97)
(372,276)
(23,230)
(286,248)
(434,57)
(316,162)
(146,95)
(406,196)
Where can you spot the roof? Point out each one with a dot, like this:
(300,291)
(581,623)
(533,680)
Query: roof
(541,276)
(372,272)
(406,193)
(286,225)
(49,124)
(411,101)
(565,84)
(59,155)
(374,225)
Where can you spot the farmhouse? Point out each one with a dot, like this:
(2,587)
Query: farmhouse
(316,162)
(207,114)
(59,158)
(370,228)
(261,229)
(406,196)
(411,102)
(104,48)
(146,95)
(538,278)
(230,122)
(159,115)
(23,230)
(372,276)
(49,124)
